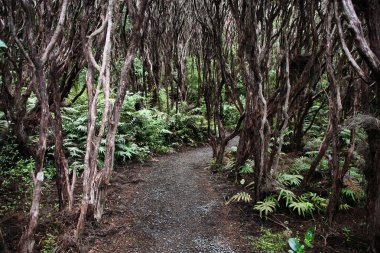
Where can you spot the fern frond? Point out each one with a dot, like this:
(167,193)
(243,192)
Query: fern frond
(344,207)
(303,207)
(290,179)
(230,164)
(240,197)
(319,202)
(247,168)
(353,189)
(267,206)
(287,195)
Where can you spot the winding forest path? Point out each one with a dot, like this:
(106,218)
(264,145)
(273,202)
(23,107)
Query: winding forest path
(171,204)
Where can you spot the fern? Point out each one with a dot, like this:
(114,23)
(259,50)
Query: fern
(75,151)
(319,202)
(344,207)
(302,206)
(287,195)
(240,197)
(267,206)
(301,164)
(247,168)
(348,193)
(289,179)
(230,164)
(353,189)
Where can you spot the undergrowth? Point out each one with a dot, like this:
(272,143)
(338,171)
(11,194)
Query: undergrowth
(269,241)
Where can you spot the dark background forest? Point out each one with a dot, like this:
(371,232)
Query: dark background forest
(86,86)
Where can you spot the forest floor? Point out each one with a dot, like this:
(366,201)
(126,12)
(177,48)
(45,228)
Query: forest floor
(176,203)
(171,204)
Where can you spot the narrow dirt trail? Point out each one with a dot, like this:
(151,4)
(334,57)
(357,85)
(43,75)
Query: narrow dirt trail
(171,204)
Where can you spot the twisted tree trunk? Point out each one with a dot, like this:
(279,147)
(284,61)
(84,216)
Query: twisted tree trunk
(370,52)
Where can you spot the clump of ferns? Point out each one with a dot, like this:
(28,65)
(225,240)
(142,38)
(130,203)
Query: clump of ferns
(304,205)
(352,193)
(353,190)
(266,206)
(229,164)
(289,180)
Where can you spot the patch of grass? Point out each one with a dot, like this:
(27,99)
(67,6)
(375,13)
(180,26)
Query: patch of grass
(269,241)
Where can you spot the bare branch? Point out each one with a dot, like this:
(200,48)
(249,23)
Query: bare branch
(57,32)
(355,26)
(345,48)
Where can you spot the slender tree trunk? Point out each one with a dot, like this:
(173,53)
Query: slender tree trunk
(322,151)
(26,243)
(335,105)
(200,82)
(65,193)
(102,179)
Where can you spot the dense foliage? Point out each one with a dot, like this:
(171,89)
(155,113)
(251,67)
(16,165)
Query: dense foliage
(85,86)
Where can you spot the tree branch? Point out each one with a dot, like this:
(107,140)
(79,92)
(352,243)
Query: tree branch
(357,30)
(57,32)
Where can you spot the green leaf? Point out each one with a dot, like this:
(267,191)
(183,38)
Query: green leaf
(303,207)
(240,196)
(2,44)
(308,244)
(267,206)
(309,235)
(288,195)
(294,244)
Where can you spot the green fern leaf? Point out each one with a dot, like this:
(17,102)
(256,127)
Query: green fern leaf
(266,206)
(240,197)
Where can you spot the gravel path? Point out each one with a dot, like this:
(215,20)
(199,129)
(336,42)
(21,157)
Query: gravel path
(171,204)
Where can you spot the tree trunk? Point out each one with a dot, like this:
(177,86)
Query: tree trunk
(64,189)
(26,243)
(373,190)
(322,151)
(334,114)
(370,52)
(102,179)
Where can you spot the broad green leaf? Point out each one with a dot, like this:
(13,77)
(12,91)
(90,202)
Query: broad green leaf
(294,244)
(309,235)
